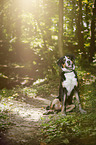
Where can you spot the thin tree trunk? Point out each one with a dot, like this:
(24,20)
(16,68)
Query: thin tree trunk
(93,34)
(60,35)
(80,29)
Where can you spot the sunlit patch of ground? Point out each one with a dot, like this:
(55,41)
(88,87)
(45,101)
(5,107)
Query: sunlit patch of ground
(25,111)
(25,116)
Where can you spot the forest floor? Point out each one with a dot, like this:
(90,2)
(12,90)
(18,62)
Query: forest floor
(22,123)
(22,111)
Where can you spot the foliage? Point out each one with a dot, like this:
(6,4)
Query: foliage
(69,129)
(5,121)
(29,30)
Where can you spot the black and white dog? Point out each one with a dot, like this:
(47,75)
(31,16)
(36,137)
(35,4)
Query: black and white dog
(68,83)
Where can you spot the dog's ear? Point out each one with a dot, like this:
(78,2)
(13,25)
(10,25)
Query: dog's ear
(60,61)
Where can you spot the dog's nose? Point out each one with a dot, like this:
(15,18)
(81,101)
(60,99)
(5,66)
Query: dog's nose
(68,62)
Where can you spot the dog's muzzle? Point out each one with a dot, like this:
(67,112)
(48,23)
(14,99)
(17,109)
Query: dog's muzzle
(68,63)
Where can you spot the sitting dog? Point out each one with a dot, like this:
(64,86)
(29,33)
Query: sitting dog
(69,83)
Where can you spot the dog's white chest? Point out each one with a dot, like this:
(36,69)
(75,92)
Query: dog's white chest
(70,82)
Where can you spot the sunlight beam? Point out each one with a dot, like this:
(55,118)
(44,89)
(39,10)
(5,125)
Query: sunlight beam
(26,3)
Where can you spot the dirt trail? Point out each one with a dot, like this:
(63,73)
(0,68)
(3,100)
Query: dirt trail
(25,116)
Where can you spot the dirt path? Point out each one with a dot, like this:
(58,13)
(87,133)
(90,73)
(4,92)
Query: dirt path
(25,114)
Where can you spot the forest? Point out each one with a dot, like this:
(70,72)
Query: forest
(34,34)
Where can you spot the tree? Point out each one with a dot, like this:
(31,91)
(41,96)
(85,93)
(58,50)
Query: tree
(92,49)
(60,35)
(80,28)
(37,25)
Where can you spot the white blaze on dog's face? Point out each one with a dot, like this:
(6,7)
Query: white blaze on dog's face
(68,64)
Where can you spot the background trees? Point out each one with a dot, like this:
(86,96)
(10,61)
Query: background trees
(29,32)
(29,49)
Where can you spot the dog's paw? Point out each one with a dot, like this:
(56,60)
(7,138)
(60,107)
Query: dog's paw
(48,112)
(83,111)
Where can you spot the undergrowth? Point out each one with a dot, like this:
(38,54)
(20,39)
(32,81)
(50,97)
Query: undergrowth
(57,129)
(70,129)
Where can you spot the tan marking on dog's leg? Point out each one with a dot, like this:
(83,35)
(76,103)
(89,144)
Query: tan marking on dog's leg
(51,105)
(70,108)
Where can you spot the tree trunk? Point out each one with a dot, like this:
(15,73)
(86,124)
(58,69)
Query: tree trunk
(60,35)
(93,35)
(80,29)
(1,21)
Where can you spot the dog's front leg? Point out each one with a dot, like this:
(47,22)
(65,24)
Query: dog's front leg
(63,110)
(78,100)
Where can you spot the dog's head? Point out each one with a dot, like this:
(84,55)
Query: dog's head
(67,62)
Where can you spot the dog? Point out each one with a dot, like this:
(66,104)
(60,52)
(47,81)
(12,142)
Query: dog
(69,85)
(68,89)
